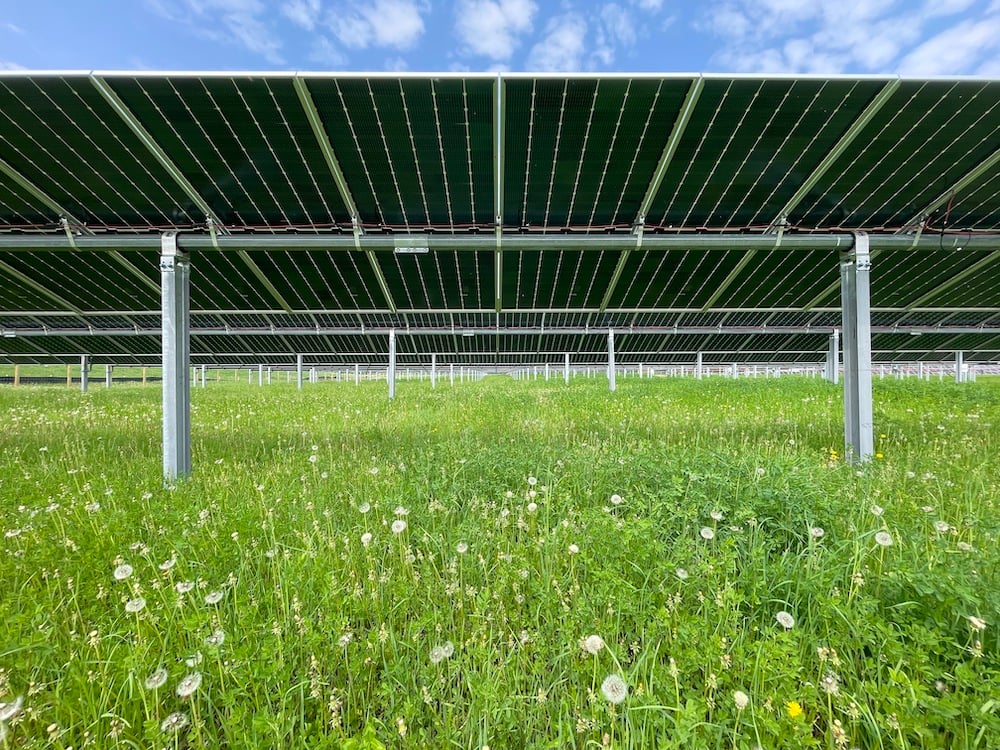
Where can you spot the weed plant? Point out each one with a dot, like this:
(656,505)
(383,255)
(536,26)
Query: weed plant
(522,564)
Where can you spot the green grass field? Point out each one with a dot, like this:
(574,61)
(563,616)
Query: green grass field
(679,564)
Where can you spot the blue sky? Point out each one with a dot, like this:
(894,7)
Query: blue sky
(923,38)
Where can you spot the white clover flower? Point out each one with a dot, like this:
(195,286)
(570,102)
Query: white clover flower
(741,699)
(134,606)
(122,572)
(187,686)
(616,499)
(883,539)
(816,532)
(964,546)
(345,640)
(182,587)
(174,723)
(785,620)
(830,684)
(592,644)
(977,623)
(942,527)
(366,539)
(614,689)
(462,548)
(156,680)
(707,533)
(213,597)
(398,526)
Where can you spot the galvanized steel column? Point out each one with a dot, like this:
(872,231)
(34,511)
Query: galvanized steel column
(566,369)
(855,271)
(298,370)
(959,363)
(611,359)
(391,374)
(84,372)
(434,364)
(175,275)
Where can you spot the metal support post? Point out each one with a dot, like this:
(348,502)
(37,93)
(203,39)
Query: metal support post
(959,367)
(611,359)
(260,374)
(84,372)
(855,272)
(175,285)
(566,368)
(269,376)
(298,370)
(434,365)
(736,371)
(698,368)
(920,370)
(203,376)
(391,372)
(451,373)
(833,358)
(107,376)
(357,374)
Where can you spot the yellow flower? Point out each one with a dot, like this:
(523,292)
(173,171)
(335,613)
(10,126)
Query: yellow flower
(794,709)
(879,455)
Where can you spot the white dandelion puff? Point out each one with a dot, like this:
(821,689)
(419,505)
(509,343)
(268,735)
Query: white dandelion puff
(213,597)
(614,689)
(616,499)
(364,507)
(785,620)
(461,548)
(187,687)
(366,538)
(168,564)
(707,533)
(877,510)
(194,661)
(532,508)
(681,573)
(942,527)
(592,644)
(532,481)
(122,572)
(11,709)
(883,539)
(573,549)
(817,532)
(398,526)
(174,723)
(217,638)
(440,653)
(716,515)
(156,680)
(134,606)
(977,623)
(183,587)
(401,511)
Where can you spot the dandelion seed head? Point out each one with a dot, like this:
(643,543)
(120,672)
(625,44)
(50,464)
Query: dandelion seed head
(398,526)
(592,644)
(883,539)
(817,532)
(532,508)
(785,620)
(977,623)
(168,564)
(11,709)
(174,723)
(942,527)
(213,597)
(681,573)
(366,538)
(614,689)
(532,481)
(573,549)
(462,548)
(183,587)
(216,639)
(741,699)
(364,507)
(401,511)
(187,687)
(122,572)
(134,606)
(616,499)
(707,533)
(716,515)
(830,684)
(156,680)
(877,510)
(440,653)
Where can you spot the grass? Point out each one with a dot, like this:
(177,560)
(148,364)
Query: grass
(426,572)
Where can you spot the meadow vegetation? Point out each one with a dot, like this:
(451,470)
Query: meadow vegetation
(511,564)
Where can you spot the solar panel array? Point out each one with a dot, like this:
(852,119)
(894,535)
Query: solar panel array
(521,209)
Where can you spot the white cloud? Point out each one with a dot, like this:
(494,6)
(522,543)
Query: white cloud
(325,52)
(960,48)
(380,23)
(8,65)
(492,28)
(242,21)
(833,36)
(615,29)
(13,28)
(563,46)
(649,4)
(304,13)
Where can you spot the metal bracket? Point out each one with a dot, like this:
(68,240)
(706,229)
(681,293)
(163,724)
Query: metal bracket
(69,232)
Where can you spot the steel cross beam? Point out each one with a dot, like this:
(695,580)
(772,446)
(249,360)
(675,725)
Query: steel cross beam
(323,141)
(846,140)
(987,164)
(667,156)
(957,278)
(41,196)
